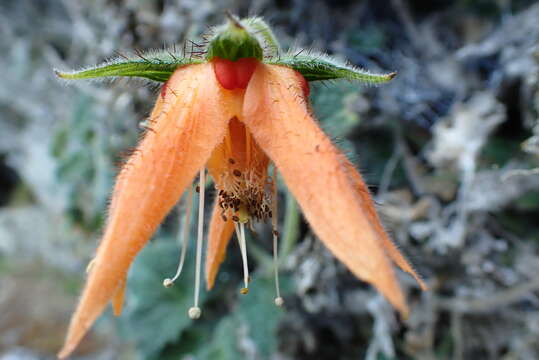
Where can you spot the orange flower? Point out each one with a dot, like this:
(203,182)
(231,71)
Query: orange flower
(235,118)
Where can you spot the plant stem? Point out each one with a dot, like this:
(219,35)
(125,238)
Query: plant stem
(291,226)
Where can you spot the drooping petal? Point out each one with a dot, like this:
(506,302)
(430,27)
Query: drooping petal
(186,125)
(370,211)
(218,239)
(118,298)
(276,113)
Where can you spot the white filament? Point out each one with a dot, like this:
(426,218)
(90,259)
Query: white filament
(184,238)
(274,219)
(195,312)
(240,233)
(278,300)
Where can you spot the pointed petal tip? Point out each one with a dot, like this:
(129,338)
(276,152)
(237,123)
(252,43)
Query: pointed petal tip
(66,350)
(422,284)
(390,248)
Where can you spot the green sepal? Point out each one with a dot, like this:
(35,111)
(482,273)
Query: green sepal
(157,66)
(233,41)
(322,67)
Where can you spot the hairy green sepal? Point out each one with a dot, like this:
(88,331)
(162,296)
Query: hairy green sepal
(322,67)
(233,41)
(246,38)
(156,66)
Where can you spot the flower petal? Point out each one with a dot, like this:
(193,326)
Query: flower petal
(118,298)
(218,239)
(187,124)
(276,113)
(368,205)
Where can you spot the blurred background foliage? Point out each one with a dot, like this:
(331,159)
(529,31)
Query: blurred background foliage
(450,149)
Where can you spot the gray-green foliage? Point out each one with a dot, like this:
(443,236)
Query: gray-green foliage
(255,317)
(498,251)
(82,150)
(153,309)
(150,307)
(333,105)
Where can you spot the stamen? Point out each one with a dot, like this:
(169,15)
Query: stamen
(240,234)
(195,312)
(185,239)
(279,301)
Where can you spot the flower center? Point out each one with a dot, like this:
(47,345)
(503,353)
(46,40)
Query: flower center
(240,170)
(246,193)
(245,198)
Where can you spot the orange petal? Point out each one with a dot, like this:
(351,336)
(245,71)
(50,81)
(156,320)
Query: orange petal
(118,298)
(276,113)
(218,238)
(370,211)
(187,124)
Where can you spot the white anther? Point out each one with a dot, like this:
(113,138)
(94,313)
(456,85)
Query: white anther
(194,312)
(279,301)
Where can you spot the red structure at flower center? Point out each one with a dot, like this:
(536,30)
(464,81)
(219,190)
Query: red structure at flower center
(234,74)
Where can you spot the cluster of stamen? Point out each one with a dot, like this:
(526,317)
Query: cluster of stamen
(244,197)
(246,194)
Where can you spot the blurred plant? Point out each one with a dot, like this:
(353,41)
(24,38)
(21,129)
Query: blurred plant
(483,302)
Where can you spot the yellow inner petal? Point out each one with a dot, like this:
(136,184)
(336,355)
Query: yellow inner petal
(240,170)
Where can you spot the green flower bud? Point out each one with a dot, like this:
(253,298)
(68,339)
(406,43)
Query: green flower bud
(232,41)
